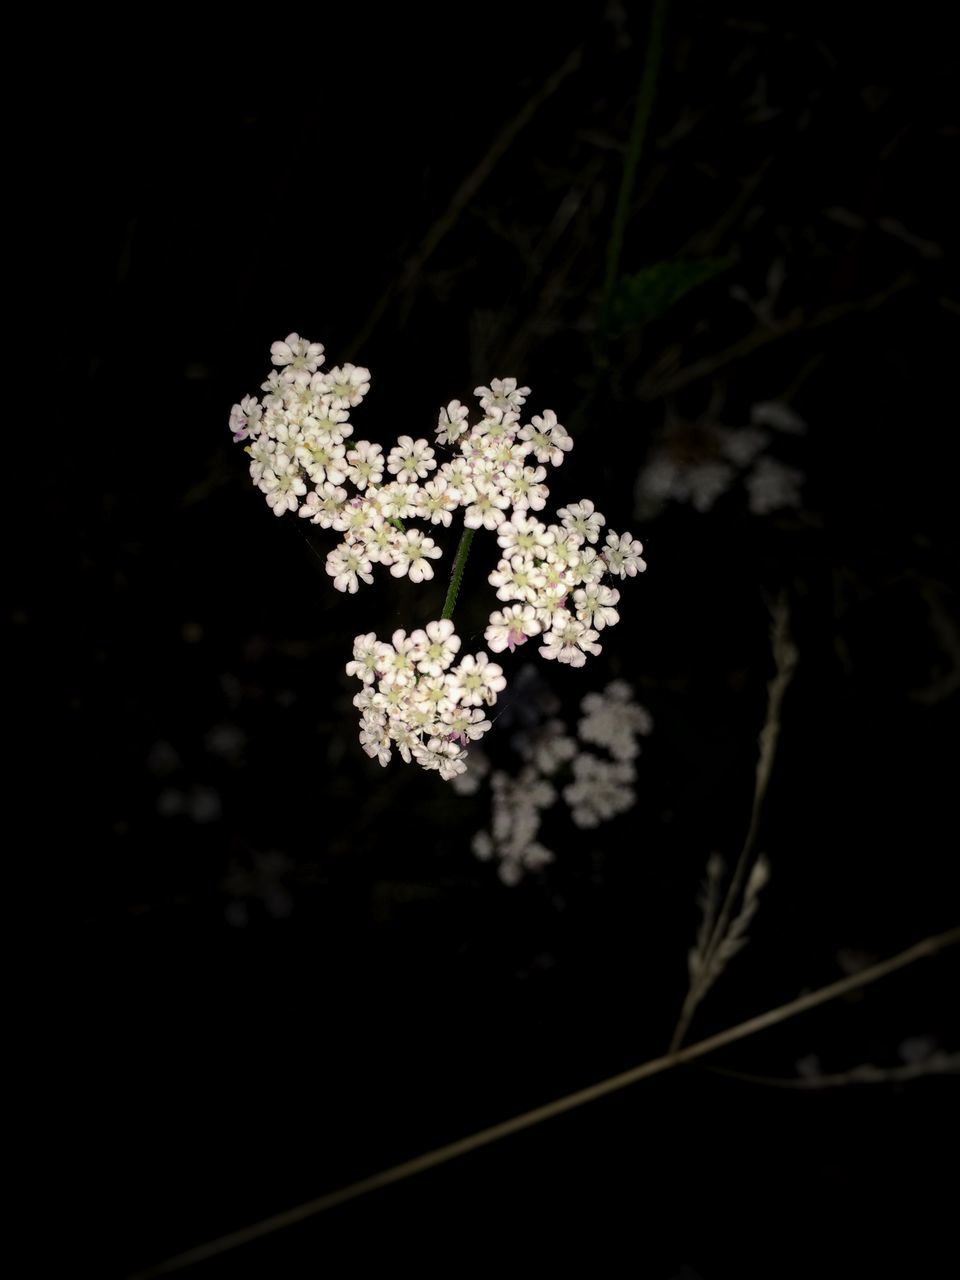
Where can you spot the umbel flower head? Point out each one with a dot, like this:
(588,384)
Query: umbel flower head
(415,701)
(552,580)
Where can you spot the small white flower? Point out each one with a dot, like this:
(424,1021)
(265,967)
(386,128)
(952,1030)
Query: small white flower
(518,578)
(297,353)
(346,386)
(282,487)
(365,464)
(476,680)
(413,555)
(569,641)
(547,437)
(346,565)
(322,461)
(524,487)
(324,505)
(357,521)
(525,535)
(436,501)
(622,554)
(365,658)
(262,453)
(435,647)
(327,423)
(486,510)
(566,548)
(380,539)
(398,501)
(582,518)
(434,694)
(452,422)
(397,661)
(410,460)
(498,428)
(594,605)
(503,393)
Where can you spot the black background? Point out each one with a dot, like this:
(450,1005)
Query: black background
(372,990)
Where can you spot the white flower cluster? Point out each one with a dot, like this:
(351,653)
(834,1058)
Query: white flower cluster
(600,788)
(298,438)
(550,580)
(517,804)
(698,466)
(415,700)
(553,576)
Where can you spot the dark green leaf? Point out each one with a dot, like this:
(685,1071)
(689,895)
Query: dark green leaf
(647,294)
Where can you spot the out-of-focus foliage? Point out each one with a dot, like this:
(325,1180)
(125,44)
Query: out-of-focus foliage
(649,293)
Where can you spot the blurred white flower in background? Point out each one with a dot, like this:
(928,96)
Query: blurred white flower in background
(697,463)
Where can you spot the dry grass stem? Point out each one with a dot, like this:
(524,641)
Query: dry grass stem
(721,934)
(443,1155)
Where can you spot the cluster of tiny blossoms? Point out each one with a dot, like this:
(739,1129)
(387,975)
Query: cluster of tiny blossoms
(598,787)
(415,700)
(553,579)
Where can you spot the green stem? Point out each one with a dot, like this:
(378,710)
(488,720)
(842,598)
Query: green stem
(456,576)
(638,131)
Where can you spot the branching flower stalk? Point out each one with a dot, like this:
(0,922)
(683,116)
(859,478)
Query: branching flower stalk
(721,935)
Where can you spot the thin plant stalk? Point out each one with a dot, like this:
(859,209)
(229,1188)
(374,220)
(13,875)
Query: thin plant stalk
(785,657)
(456,576)
(638,133)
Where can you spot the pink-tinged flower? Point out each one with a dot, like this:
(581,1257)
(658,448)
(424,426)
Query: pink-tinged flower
(569,641)
(511,627)
(245,418)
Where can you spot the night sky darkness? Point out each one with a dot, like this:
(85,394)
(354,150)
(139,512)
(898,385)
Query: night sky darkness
(284,967)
